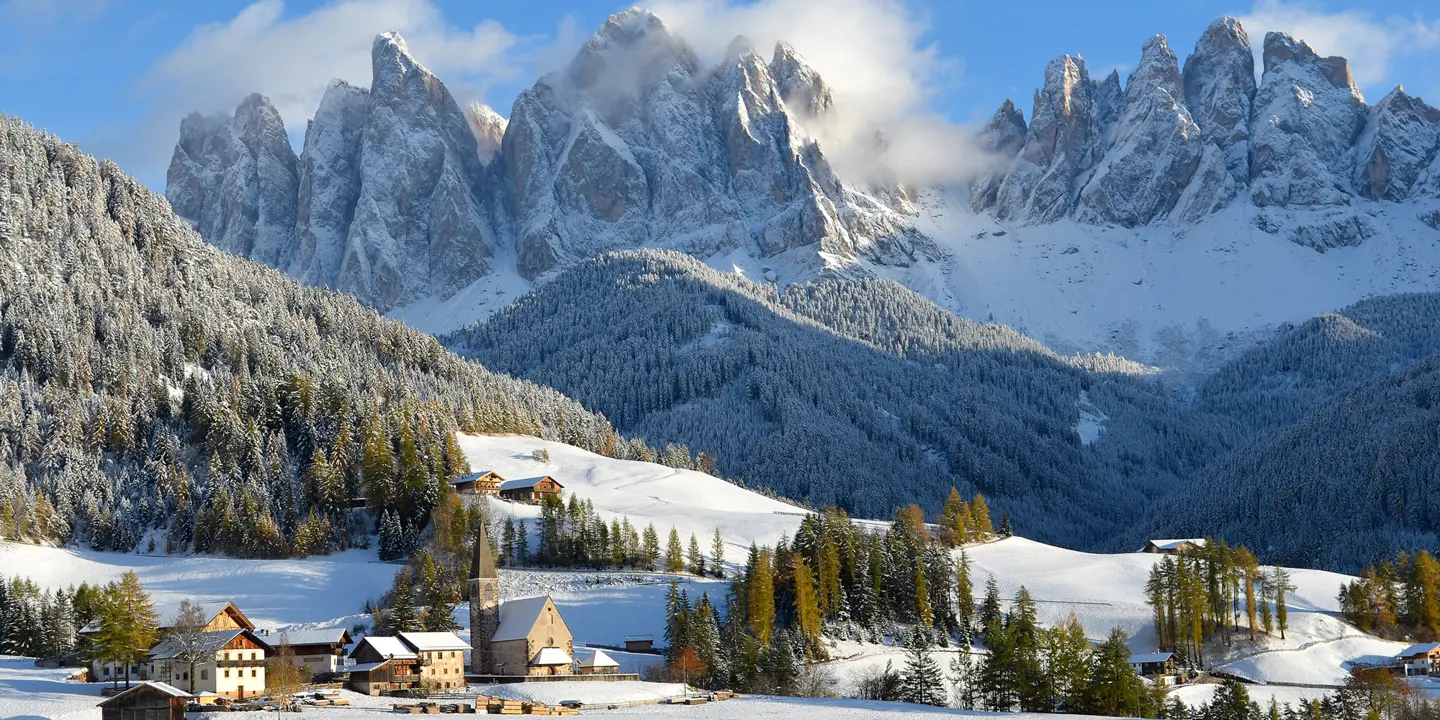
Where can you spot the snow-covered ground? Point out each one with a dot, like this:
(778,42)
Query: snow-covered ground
(1107,591)
(30,693)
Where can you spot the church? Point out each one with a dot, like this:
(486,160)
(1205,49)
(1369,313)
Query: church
(516,638)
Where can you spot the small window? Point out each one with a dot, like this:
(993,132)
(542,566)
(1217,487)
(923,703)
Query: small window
(227,672)
(225,656)
(204,674)
(254,672)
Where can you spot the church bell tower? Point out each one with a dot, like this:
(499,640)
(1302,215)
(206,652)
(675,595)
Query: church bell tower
(484,606)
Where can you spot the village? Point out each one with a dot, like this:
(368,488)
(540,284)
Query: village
(521,651)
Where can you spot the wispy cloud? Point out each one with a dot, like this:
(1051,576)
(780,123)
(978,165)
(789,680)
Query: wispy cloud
(291,59)
(873,56)
(1372,44)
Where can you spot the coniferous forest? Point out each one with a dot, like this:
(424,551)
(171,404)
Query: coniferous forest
(149,382)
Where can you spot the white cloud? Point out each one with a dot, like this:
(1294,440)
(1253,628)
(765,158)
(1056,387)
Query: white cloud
(1372,45)
(291,60)
(871,54)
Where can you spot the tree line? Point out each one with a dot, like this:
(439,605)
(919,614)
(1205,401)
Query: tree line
(1200,592)
(1399,597)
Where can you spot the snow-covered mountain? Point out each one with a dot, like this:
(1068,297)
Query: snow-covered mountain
(1173,217)
(399,195)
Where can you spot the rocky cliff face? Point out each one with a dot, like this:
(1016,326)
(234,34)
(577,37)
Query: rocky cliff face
(399,194)
(637,143)
(1179,145)
(235,179)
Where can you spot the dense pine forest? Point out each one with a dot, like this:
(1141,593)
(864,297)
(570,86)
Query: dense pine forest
(861,395)
(149,382)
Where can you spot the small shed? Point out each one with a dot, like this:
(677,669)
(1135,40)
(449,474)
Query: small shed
(597,664)
(530,489)
(640,643)
(1173,546)
(486,482)
(146,701)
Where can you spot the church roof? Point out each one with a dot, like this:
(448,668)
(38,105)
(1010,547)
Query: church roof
(483,565)
(517,617)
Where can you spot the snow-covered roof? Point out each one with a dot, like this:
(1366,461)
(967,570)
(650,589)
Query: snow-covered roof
(209,642)
(320,636)
(517,617)
(1176,543)
(166,612)
(598,658)
(1154,657)
(523,483)
(429,641)
(386,646)
(551,656)
(367,667)
(166,688)
(472,477)
(1419,649)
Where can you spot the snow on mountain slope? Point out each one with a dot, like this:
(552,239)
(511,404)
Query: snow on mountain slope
(1180,297)
(690,501)
(1106,591)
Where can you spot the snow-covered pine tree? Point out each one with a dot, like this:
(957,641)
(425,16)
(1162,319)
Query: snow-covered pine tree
(921,681)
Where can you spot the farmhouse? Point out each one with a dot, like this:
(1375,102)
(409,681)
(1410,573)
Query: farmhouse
(146,701)
(322,651)
(530,489)
(233,664)
(1173,546)
(222,616)
(1158,666)
(385,664)
(1421,659)
(480,483)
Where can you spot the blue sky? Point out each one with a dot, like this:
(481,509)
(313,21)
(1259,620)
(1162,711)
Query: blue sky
(117,75)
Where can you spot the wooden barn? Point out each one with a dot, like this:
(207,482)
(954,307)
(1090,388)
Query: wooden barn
(1158,666)
(146,701)
(1173,546)
(530,489)
(480,483)
(322,651)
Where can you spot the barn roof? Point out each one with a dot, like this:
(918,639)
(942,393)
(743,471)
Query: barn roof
(472,477)
(208,642)
(524,483)
(598,658)
(367,667)
(1419,649)
(1150,657)
(166,612)
(517,617)
(321,636)
(429,641)
(1176,543)
(160,687)
(386,646)
(551,656)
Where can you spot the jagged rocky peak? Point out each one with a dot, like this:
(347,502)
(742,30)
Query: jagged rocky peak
(329,183)
(633,50)
(234,179)
(489,129)
(1109,101)
(1154,152)
(1219,82)
(1063,141)
(1308,115)
(418,227)
(1000,139)
(1397,147)
(800,85)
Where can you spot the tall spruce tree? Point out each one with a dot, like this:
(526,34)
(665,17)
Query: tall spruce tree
(921,681)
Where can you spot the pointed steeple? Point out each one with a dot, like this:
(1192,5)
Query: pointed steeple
(484,564)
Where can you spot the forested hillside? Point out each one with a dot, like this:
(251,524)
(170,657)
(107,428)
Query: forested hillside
(1306,366)
(860,394)
(149,380)
(1349,485)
